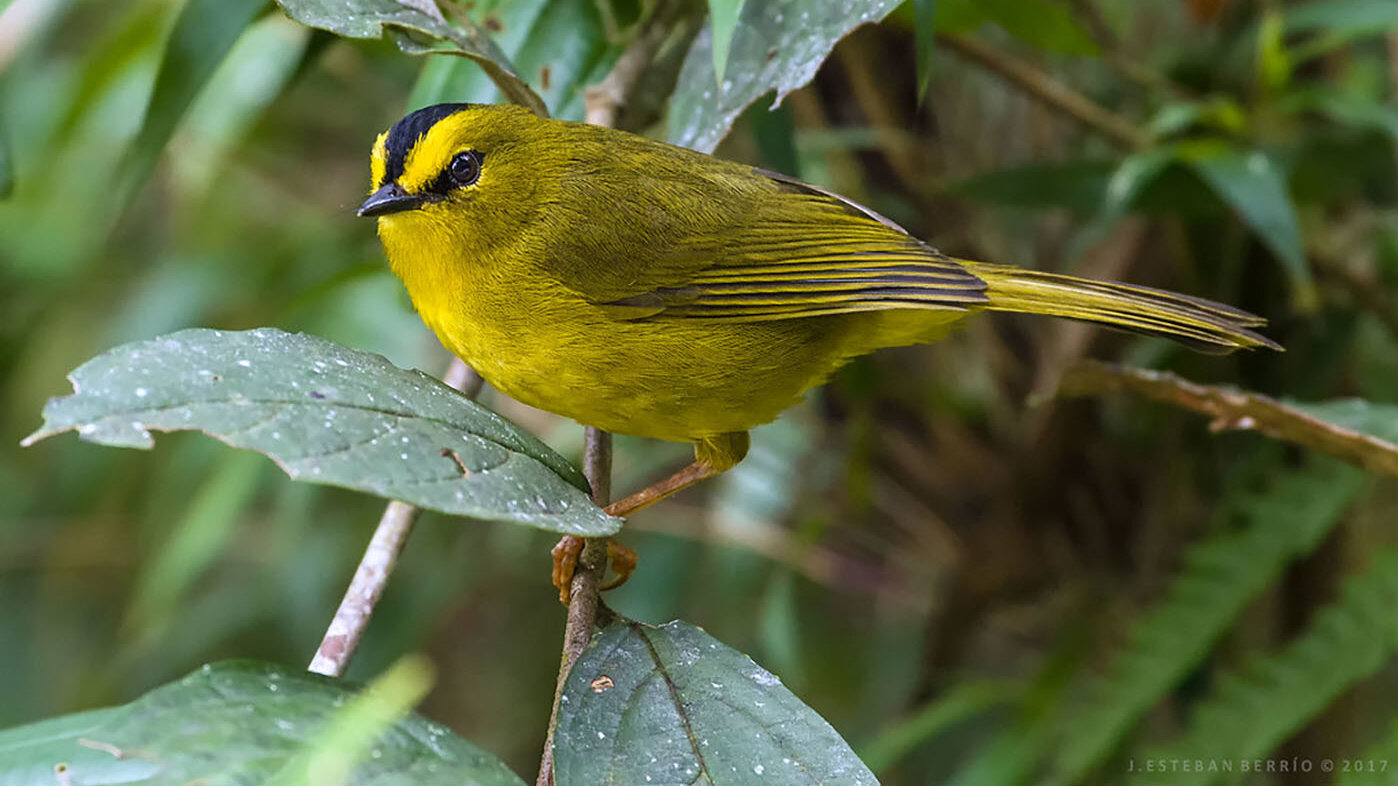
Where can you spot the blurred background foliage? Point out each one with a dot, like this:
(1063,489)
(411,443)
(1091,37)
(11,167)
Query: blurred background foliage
(975,582)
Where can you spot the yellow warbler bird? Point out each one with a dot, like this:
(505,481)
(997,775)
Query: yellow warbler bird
(651,290)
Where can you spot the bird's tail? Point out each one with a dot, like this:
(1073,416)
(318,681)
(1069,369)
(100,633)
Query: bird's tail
(1198,323)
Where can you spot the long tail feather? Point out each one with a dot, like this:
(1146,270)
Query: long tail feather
(1198,323)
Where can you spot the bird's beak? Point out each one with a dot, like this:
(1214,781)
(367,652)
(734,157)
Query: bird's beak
(389,199)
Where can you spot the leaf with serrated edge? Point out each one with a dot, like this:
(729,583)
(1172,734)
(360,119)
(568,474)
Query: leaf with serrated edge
(777,45)
(672,705)
(233,722)
(328,414)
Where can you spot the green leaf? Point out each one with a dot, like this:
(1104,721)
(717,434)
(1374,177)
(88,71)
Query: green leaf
(1273,64)
(960,703)
(723,17)
(328,414)
(1043,24)
(778,45)
(411,21)
(1220,112)
(1348,18)
(197,539)
(1252,184)
(1376,423)
(1345,108)
(672,705)
(7,166)
(243,722)
(558,46)
(1255,537)
(204,33)
(1075,185)
(1258,707)
(925,31)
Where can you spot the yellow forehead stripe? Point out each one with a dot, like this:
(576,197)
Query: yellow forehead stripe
(432,151)
(378,162)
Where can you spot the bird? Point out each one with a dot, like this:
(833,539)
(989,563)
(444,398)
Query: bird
(656,291)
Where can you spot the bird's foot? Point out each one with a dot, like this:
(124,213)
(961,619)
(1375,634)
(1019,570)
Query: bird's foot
(565,563)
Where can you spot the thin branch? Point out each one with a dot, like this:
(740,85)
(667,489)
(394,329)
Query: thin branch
(357,608)
(585,594)
(602,103)
(604,100)
(1239,410)
(1050,91)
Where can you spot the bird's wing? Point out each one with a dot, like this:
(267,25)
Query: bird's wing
(794,250)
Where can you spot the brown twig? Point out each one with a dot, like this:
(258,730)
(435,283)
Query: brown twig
(602,103)
(604,100)
(585,600)
(1049,91)
(1237,410)
(357,607)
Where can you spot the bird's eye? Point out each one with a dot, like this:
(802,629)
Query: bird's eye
(465,168)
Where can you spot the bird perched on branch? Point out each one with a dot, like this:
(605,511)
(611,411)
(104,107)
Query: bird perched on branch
(651,290)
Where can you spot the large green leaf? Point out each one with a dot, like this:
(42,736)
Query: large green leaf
(1252,184)
(412,22)
(778,45)
(203,34)
(241,723)
(328,414)
(672,705)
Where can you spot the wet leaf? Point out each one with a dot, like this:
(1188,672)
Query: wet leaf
(419,28)
(778,45)
(240,722)
(672,705)
(1360,432)
(328,414)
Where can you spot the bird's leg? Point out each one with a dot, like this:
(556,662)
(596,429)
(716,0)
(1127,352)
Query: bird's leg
(623,559)
(712,455)
(655,492)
